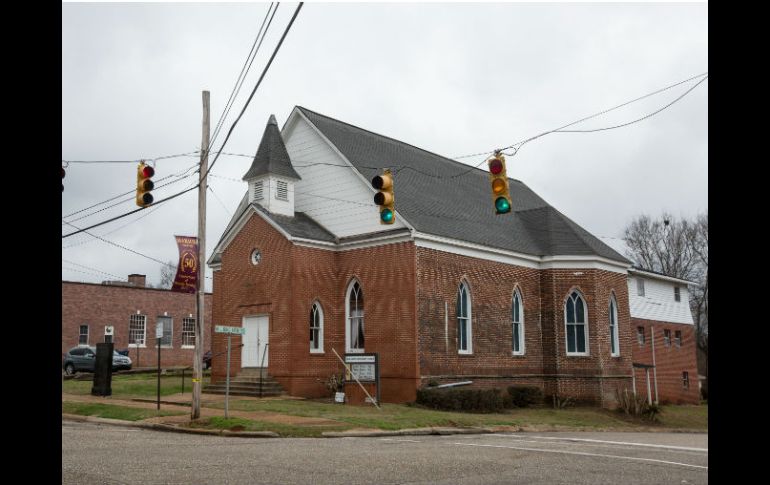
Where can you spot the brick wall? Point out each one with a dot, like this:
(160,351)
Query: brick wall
(98,306)
(670,361)
(287,282)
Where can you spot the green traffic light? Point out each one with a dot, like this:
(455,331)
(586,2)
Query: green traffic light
(386,215)
(502,205)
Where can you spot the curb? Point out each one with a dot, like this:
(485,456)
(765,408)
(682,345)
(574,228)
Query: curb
(170,428)
(409,432)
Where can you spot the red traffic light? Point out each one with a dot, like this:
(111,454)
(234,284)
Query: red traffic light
(148,171)
(496,166)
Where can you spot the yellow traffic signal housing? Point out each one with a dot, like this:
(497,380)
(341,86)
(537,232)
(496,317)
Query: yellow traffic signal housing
(385,198)
(144,185)
(499,180)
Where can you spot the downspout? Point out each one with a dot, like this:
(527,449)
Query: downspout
(654,367)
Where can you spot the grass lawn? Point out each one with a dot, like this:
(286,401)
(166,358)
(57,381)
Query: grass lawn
(136,385)
(399,416)
(113,412)
(285,430)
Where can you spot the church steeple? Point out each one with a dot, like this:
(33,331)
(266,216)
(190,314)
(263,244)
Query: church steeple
(271,176)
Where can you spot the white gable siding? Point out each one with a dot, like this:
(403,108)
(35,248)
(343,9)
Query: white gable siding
(331,192)
(658,301)
(269,198)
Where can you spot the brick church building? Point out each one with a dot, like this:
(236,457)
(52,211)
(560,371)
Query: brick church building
(449,292)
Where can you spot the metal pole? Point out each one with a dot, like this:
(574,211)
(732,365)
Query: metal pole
(649,394)
(633,380)
(199,343)
(227,381)
(158,340)
(654,367)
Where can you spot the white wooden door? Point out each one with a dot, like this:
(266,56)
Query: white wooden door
(255,341)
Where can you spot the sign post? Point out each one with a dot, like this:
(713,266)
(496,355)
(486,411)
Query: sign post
(158,337)
(229,331)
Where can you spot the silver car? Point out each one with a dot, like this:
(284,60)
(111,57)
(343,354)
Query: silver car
(83,359)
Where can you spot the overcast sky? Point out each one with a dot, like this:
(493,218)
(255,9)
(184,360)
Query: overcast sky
(451,78)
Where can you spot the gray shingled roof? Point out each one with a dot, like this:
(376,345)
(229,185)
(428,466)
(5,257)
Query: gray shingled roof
(271,155)
(428,197)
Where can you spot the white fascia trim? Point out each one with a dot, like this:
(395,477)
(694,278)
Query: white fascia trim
(334,148)
(215,267)
(475,250)
(377,241)
(659,277)
(236,229)
(577,262)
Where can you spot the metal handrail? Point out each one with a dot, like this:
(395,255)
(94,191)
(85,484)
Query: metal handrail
(261,367)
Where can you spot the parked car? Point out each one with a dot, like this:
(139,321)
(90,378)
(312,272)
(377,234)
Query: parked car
(207,360)
(83,359)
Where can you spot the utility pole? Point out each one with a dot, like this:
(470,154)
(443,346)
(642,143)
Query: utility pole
(198,363)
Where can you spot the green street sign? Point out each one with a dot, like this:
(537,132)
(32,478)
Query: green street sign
(232,330)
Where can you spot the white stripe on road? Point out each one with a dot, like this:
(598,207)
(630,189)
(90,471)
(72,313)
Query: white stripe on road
(406,441)
(583,454)
(686,448)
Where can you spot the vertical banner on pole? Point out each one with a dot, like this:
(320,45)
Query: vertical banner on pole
(186,279)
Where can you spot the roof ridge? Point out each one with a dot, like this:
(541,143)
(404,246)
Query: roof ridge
(397,141)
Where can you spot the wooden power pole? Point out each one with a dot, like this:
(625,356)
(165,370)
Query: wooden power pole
(199,343)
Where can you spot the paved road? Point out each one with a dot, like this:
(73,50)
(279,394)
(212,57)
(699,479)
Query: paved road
(103,454)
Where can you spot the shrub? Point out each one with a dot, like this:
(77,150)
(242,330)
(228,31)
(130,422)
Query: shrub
(334,383)
(525,396)
(636,405)
(432,383)
(450,399)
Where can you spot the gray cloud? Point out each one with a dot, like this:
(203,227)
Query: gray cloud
(451,78)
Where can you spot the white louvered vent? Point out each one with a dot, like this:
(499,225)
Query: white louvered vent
(258,190)
(282,190)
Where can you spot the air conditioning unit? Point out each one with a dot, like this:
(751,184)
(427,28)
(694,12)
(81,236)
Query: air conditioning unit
(108,330)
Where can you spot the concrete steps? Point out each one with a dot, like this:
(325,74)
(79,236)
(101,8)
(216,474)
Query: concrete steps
(252,382)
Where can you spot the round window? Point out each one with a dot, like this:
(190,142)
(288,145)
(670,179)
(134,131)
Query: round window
(256,257)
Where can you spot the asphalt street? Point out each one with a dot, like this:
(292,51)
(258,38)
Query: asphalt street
(104,454)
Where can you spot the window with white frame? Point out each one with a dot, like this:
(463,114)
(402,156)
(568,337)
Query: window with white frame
(258,190)
(614,338)
(667,337)
(576,325)
(83,335)
(354,308)
(517,320)
(137,327)
(677,295)
(640,287)
(686,380)
(678,338)
(168,326)
(640,335)
(188,332)
(464,322)
(281,190)
(316,328)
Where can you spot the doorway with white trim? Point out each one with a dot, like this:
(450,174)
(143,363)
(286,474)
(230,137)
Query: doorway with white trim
(255,349)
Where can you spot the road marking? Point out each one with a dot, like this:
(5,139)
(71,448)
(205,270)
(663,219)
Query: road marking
(685,448)
(583,454)
(406,441)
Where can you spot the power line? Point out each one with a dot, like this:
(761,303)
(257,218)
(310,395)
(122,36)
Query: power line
(220,201)
(114,230)
(88,267)
(128,213)
(275,51)
(519,144)
(242,76)
(179,174)
(133,161)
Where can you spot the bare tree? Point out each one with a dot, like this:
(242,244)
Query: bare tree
(677,248)
(167,275)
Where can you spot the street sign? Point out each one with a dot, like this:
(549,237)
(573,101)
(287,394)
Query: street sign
(159,330)
(232,330)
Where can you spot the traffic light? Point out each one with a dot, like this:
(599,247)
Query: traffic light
(384,198)
(499,179)
(144,185)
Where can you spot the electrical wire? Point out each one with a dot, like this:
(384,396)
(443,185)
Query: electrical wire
(242,77)
(88,267)
(114,230)
(261,77)
(134,161)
